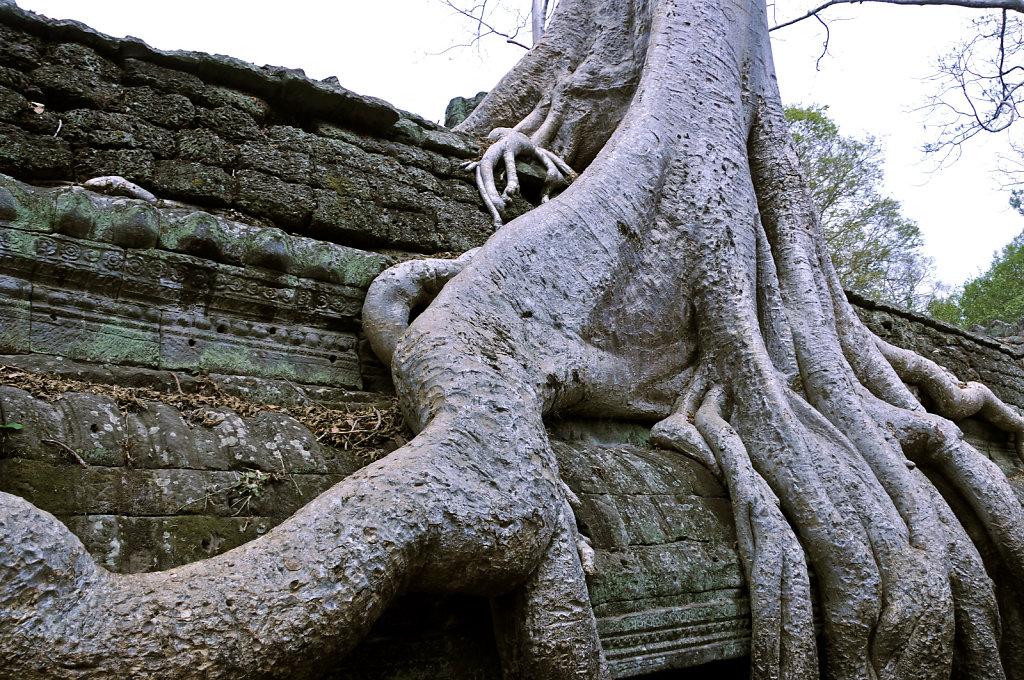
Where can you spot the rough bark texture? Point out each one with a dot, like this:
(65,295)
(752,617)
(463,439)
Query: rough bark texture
(682,279)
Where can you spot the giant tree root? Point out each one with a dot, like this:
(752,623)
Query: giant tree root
(682,279)
(289,604)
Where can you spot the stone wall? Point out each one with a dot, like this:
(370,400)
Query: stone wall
(307,156)
(189,371)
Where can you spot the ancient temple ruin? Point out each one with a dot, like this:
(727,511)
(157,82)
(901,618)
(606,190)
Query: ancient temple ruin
(188,369)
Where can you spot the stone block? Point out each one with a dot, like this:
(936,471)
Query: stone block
(203,146)
(24,208)
(162,280)
(332,263)
(159,437)
(19,50)
(128,223)
(66,87)
(74,215)
(418,132)
(203,235)
(286,205)
(96,220)
(229,123)
(196,182)
(41,421)
(89,327)
(216,96)
(58,433)
(145,73)
(289,138)
(172,111)
(53,262)
(103,129)
(95,427)
(254,293)
(11,104)
(683,636)
(668,590)
(16,80)
(221,344)
(135,165)
(347,214)
(33,157)
(330,306)
(15,313)
(290,166)
(84,58)
(282,443)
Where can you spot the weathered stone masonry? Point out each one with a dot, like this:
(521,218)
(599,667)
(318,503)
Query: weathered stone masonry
(280,199)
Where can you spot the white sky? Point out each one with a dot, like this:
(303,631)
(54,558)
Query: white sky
(872,81)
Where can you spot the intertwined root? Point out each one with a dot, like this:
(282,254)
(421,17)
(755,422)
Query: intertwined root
(782,643)
(953,398)
(905,592)
(507,145)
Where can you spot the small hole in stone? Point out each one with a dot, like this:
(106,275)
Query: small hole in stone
(191,343)
(332,358)
(94,428)
(272,330)
(221,328)
(53,317)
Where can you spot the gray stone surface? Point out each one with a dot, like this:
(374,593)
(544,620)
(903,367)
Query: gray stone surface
(117,280)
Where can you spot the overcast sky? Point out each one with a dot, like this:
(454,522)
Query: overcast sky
(872,80)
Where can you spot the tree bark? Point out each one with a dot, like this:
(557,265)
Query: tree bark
(681,279)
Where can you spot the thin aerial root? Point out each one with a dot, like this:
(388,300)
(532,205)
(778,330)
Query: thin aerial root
(557,174)
(677,431)
(536,118)
(544,134)
(508,144)
(954,399)
(394,295)
(782,636)
(493,201)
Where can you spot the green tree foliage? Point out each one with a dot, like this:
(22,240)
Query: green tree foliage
(996,295)
(875,249)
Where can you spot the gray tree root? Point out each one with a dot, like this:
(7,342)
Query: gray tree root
(682,279)
(507,145)
(782,644)
(398,292)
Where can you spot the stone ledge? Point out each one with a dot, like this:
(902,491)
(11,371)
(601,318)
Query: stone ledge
(325,99)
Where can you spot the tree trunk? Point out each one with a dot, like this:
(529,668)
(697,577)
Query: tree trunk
(681,279)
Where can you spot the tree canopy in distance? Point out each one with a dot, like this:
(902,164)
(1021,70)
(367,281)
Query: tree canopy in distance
(995,295)
(875,249)
(682,281)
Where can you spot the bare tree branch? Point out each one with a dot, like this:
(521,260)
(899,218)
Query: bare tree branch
(1010,5)
(477,13)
